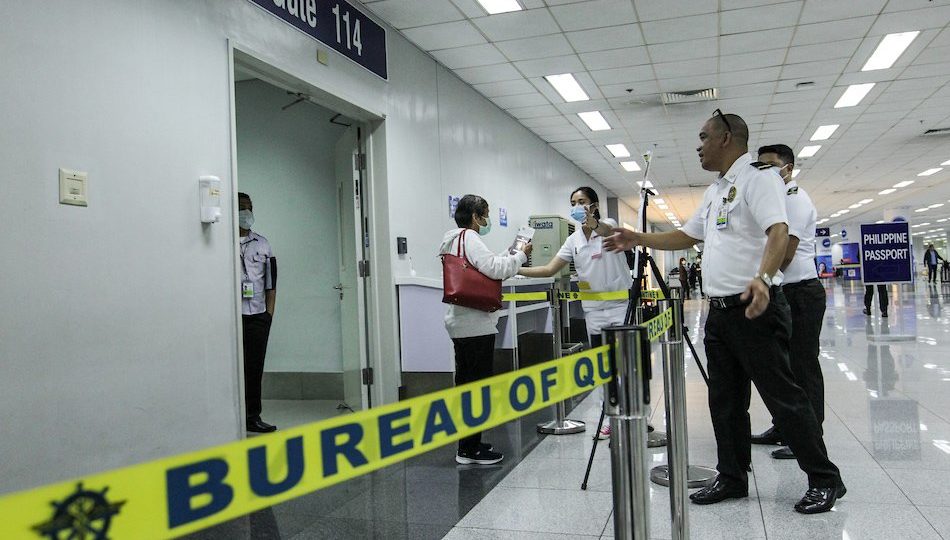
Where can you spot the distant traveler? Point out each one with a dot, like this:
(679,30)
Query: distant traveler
(869,299)
(931,257)
(473,331)
(683,274)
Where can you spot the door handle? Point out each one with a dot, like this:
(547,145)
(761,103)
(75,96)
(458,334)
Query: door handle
(339,287)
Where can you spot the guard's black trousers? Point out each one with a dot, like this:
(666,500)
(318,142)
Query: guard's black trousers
(869,297)
(474,357)
(256,332)
(806,300)
(740,350)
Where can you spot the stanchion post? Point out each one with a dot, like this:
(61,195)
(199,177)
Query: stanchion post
(674,378)
(560,425)
(628,408)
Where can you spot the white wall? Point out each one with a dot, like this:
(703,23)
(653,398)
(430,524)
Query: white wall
(119,322)
(286,165)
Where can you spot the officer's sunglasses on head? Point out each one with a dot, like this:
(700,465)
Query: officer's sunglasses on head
(718,113)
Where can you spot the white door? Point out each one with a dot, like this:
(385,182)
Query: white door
(352,294)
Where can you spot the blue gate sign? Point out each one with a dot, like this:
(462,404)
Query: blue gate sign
(886,253)
(338,25)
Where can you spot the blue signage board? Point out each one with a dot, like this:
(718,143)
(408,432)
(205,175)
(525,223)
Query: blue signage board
(453,204)
(822,232)
(338,25)
(886,253)
(503,217)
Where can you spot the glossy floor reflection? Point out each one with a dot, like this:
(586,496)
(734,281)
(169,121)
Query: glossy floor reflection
(887,390)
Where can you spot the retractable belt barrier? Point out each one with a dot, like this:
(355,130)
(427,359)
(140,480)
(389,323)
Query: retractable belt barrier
(177,495)
(651,294)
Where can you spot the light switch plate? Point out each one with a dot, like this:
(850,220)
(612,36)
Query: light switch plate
(72,187)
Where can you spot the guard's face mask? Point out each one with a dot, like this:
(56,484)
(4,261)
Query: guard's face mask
(245,219)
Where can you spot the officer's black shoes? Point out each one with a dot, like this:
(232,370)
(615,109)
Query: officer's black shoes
(259,426)
(720,491)
(818,500)
(770,436)
(883,314)
(867,312)
(479,457)
(783,453)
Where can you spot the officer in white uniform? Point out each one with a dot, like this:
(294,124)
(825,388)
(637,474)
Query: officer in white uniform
(743,223)
(258,299)
(804,293)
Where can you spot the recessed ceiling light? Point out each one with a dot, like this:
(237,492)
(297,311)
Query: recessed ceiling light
(658,200)
(889,50)
(567,86)
(824,132)
(879,221)
(845,211)
(853,95)
(936,205)
(941,220)
(918,225)
(887,191)
(663,207)
(905,183)
(946,163)
(866,201)
(631,166)
(928,172)
(619,150)
(809,151)
(594,120)
(855,205)
(795,172)
(921,209)
(925,224)
(645,184)
(500,6)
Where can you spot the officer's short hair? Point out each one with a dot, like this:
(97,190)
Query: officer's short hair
(468,207)
(242,195)
(783,152)
(736,126)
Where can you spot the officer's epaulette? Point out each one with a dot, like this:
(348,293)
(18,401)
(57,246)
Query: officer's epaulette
(761,165)
(792,191)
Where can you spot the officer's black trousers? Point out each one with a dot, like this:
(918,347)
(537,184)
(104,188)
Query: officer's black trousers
(806,300)
(256,332)
(740,350)
(869,297)
(474,357)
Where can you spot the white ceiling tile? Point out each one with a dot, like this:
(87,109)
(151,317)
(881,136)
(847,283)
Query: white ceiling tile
(812,69)
(670,70)
(759,18)
(470,8)
(903,21)
(505,88)
(680,29)
(550,66)
(761,59)
(402,14)
(756,89)
(486,74)
(684,50)
(822,51)
(517,24)
(470,56)
(933,55)
(739,78)
(827,32)
(534,112)
(821,11)
(629,56)
(594,14)
(748,42)
(687,83)
(651,10)
(535,47)
(546,121)
(444,36)
(520,100)
(611,37)
(623,75)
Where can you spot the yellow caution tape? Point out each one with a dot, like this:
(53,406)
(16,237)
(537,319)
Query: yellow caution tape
(652,294)
(174,496)
(524,296)
(659,324)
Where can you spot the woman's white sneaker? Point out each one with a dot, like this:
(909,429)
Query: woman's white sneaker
(480,457)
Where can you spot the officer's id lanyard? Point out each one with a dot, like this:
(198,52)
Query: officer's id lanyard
(247,286)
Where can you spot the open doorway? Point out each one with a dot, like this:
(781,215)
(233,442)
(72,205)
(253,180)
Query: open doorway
(300,162)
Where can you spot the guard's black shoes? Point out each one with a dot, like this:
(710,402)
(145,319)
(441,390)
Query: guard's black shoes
(867,312)
(883,314)
(259,426)
(770,436)
(783,453)
(818,500)
(720,491)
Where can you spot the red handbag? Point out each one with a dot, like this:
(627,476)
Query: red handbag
(464,285)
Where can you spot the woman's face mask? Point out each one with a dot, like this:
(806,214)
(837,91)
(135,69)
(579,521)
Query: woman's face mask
(579,213)
(486,228)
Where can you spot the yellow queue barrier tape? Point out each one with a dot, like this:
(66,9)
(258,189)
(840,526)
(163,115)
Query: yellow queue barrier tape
(174,496)
(651,294)
(524,296)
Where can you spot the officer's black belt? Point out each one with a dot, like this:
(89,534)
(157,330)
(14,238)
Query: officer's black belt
(800,283)
(735,300)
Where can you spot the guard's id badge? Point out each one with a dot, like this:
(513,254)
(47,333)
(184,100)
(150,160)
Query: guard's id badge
(722,219)
(247,289)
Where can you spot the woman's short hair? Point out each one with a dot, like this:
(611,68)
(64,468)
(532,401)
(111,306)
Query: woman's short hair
(468,207)
(591,196)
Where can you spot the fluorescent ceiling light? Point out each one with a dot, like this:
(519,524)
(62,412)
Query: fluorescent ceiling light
(928,172)
(921,209)
(925,224)
(845,211)
(645,184)
(866,201)
(500,6)
(887,191)
(795,172)
(594,120)
(809,151)
(941,220)
(824,132)
(853,95)
(619,150)
(879,221)
(663,207)
(855,205)
(889,50)
(630,166)
(567,86)
(659,201)
(905,183)
(946,163)
(935,205)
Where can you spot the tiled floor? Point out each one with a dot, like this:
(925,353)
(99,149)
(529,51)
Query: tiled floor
(888,428)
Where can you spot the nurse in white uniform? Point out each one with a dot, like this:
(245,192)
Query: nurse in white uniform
(598,269)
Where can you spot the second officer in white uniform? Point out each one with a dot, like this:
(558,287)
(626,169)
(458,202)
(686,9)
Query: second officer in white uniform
(744,225)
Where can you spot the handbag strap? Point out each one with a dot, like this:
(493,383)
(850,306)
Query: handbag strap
(460,249)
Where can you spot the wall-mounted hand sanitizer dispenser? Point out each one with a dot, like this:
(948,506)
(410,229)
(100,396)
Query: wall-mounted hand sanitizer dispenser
(209,197)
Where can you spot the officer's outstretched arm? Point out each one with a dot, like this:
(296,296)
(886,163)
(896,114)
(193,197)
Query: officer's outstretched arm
(624,239)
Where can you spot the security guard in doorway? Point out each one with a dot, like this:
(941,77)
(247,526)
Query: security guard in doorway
(258,297)
(804,293)
(744,225)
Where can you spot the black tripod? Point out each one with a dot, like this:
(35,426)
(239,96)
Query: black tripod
(636,292)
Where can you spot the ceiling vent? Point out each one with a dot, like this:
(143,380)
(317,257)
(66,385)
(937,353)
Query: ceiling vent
(937,131)
(690,96)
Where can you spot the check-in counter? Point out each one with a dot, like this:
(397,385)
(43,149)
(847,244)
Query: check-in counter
(425,345)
